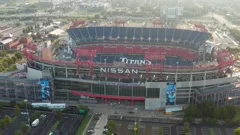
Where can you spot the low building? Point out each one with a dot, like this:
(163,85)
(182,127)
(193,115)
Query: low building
(4,43)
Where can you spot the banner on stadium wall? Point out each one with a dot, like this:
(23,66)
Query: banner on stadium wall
(119,84)
(45,89)
(171,93)
(119,71)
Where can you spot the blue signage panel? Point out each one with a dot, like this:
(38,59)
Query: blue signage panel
(171,93)
(45,89)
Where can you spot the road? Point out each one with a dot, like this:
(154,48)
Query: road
(16,31)
(222,20)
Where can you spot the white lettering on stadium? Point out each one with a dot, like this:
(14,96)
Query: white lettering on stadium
(119,71)
(138,62)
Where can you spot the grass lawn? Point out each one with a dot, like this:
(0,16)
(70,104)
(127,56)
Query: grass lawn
(54,126)
(83,125)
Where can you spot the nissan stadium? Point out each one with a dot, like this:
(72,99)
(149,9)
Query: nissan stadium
(154,66)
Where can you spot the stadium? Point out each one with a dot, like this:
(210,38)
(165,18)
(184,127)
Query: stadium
(154,66)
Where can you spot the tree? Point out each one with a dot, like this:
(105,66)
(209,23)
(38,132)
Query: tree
(237,131)
(1,108)
(2,124)
(97,16)
(186,128)
(4,64)
(18,132)
(18,55)
(14,59)
(59,115)
(24,128)
(38,36)
(211,131)
(17,111)
(18,24)
(111,127)
(7,120)
(191,112)
(136,129)
(22,105)
(34,116)
(83,107)
(23,40)
(161,131)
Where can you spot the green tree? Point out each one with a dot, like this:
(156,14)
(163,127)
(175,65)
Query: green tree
(237,131)
(8,120)
(1,108)
(2,124)
(191,112)
(18,55)
(59,115)
(111,127)
(23,40)
(136,129)
(18,24)
(97,16)
(83,107)
(161,131)
(24,128)
(211,131)
(22,105)
(38,36)
(18,132)
(34,116)
(186,128)
(14,59)
(17,111)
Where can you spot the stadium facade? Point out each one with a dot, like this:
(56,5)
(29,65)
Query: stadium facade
(155,66)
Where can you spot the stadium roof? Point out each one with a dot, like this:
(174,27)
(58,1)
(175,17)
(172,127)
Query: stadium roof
(214,90)
(27,81)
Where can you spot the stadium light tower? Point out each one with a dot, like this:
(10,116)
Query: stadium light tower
(176,72)
(28,120)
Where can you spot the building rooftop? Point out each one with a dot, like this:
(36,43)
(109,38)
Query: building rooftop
(6,41)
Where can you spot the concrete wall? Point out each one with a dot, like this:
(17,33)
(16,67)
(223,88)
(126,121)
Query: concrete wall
(154,103)
(33,74)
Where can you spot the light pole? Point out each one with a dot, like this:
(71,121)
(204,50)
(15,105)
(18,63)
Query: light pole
(135,123)
(28,120)
(105,64)
(176,72)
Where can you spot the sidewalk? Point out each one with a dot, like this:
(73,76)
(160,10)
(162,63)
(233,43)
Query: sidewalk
(100,125)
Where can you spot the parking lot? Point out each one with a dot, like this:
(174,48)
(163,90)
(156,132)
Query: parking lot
(68,125)
(126,128)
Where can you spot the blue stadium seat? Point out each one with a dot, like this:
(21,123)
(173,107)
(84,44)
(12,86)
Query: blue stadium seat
(130,34)
(137,34)
(192,36)
(177,35)
(188,38)
(99,31)
(107,32)
(145,34)
(154,35)
(92,32)
(122,33)
(84,33)
(161,35)
(169,35)
(115,32)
